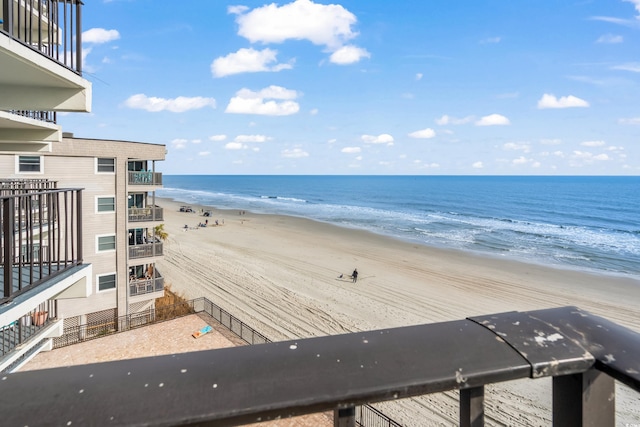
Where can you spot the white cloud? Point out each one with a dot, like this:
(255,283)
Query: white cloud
(550,141)
(295,153)
(580,158)
(419,76)
(592,143)
(448,120)
(512,146)
(196,141)
(348,55)
(313,112)
(490,40)
(631,66)
(550,101)
(204,153)
(493,120)
(477,165)
(351,150)
(249,102)
(332,141)
(179,143)
(521,160)
(423,134)
(217,138)
(323,25)
(177,105)
(384,138)
(247,61)
(630,121)
(235,146)
(251,138)
(236,10)
(610,39)
(99,35)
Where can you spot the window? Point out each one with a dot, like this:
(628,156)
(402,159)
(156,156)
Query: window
(31,164)
(106,165)
(107,243)
(106,204)
(106,282)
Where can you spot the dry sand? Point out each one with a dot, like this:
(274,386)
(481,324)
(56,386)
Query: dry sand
(280,275)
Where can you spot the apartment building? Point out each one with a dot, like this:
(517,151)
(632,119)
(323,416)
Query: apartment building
(77,216)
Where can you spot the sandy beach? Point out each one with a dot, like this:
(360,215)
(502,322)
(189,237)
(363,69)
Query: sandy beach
(281,275)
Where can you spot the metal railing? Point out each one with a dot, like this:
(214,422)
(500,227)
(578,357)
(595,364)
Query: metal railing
(146,286)
(144,178)
(366,415)
(22,330)
(145,250)
(583,353)
(50,27)
(43,116)
(146,214)
(41,237)
(12,186)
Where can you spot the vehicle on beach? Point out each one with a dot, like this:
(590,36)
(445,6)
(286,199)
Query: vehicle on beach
(186,209)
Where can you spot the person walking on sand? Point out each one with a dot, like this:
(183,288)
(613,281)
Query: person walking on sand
(354,275)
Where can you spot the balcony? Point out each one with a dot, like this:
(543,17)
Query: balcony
(49,27)
(145,214)
(145,178)
(141,286)
(42,237)
(583,354)
(145,250)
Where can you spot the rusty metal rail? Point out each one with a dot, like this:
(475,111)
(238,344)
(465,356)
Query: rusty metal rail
(584,353)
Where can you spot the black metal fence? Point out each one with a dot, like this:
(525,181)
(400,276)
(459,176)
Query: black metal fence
(51,27)
(41,237)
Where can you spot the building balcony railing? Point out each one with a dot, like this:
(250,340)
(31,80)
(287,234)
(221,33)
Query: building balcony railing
(145,250)
(583,353)
(41,237)
(12,186)
(22,330)
(50,27)
(145,178)
(146,214)
(43,116)
(146,286)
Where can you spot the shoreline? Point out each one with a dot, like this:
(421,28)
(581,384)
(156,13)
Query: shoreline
(280,275)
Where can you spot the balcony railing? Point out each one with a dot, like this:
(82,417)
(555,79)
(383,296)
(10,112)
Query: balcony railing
(145,214)
(43,116)
(145,178)
(583,353)
(12,186)
(145,250)
(146,286)
(51,27)
(22,330)
(41,237)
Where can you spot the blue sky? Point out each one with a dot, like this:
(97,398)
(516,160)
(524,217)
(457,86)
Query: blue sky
(486,87)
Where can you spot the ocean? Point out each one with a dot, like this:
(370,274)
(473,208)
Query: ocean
(575,222)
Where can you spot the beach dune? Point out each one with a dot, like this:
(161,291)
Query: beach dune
(281,276)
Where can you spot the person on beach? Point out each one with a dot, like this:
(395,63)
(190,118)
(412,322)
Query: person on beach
(354,275)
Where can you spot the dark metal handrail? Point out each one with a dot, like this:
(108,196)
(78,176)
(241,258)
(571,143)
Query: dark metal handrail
(50,27)
(246,384)
(43,116)
(42,237)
